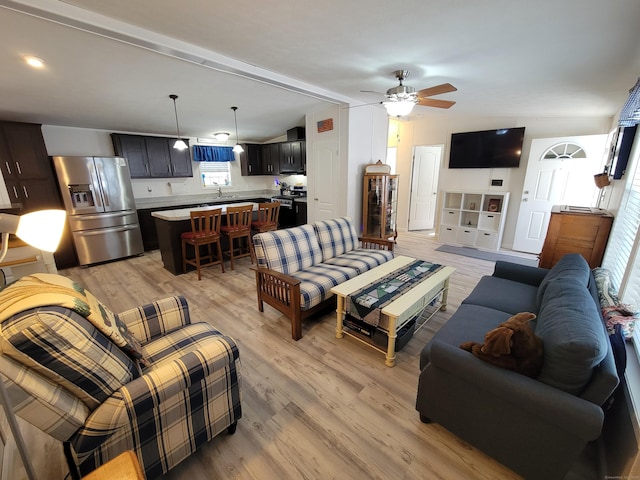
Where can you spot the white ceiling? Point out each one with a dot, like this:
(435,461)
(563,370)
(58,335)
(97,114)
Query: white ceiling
(111,65)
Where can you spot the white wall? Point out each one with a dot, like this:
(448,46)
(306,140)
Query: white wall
(437,130)
(368,131)
(88,142)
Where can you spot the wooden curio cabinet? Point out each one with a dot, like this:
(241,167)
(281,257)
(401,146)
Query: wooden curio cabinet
(380,202)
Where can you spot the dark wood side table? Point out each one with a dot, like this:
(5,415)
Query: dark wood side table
(583,230)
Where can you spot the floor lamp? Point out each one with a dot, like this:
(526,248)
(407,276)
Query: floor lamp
(43,230)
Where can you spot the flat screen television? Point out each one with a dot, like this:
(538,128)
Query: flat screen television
(499,148)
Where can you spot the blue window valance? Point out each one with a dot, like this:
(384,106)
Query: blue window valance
(205,153)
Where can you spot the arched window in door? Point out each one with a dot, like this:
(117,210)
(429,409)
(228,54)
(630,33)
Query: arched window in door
(564,150)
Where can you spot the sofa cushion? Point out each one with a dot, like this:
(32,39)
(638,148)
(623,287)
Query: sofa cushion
(336,236)
(571,266)
(317,281)
(362,259)
(505,295)
(469,323)
(573,334)
(288,250)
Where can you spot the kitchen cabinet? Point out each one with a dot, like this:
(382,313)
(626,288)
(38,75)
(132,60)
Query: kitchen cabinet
(251,159)
(30,179)
(293,157)
(380,202)
(270,158)
(274,158)
(582,230)
(152,157)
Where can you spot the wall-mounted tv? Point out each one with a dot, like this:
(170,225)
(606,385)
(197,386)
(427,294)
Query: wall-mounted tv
(499,148)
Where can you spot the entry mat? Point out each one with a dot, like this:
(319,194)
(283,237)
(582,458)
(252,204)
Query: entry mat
(490,256)
(367,303)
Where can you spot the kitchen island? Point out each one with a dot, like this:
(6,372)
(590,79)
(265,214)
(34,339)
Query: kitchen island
(170,224)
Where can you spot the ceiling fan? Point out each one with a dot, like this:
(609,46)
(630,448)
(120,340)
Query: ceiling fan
(401,99)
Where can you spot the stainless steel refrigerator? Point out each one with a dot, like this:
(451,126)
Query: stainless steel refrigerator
(100,207)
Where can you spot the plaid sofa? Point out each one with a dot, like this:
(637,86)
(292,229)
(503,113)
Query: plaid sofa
(68,379)
(297,267)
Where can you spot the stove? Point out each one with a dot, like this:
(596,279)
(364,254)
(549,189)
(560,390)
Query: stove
(286,201)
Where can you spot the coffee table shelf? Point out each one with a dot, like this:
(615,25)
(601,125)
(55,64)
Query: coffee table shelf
(400,311)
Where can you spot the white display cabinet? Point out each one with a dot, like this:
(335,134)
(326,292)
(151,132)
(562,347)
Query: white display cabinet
(473,219)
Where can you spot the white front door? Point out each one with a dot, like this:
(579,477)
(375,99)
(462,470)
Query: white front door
(559,172)
(424,186)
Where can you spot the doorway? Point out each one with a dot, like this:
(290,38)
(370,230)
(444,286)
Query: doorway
(425,169)
(559,172)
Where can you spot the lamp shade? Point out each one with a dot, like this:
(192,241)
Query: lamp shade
(41,229)
(180,145)
(399,108)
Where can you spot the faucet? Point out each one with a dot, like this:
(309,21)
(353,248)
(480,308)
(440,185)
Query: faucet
(219,191)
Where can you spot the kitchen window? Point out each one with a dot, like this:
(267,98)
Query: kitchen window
(215,174)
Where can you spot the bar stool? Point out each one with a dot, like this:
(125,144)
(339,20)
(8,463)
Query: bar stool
(238,227)
(268,214)
(205,230)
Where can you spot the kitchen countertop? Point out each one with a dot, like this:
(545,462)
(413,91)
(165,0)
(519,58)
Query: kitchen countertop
(177,201)
(184,213)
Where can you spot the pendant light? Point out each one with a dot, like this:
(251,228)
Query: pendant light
(237,148)
(179,145)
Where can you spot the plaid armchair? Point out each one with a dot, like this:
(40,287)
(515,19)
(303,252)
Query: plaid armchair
(146,380)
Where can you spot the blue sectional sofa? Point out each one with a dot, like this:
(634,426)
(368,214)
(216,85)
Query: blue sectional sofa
(537,427)
(297,267)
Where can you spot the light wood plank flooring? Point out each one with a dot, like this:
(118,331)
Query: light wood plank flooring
(317,408)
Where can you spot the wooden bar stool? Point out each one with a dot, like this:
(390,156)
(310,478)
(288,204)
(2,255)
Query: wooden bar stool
(268,214)
(238,227)
(205,230)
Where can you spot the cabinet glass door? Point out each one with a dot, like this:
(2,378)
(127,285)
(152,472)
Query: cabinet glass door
(375,201)
(391,206)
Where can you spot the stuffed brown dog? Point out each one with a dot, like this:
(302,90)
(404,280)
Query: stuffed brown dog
(511,345)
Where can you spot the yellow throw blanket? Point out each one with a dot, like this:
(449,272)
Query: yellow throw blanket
(46,289)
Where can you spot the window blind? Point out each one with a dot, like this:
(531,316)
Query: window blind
(621,257)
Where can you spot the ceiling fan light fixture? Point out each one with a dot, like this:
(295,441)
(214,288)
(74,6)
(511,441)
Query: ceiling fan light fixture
(399,108)
(221,136)
(179,143)
(237,148)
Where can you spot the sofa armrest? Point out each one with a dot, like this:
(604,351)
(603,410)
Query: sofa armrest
(148,321)
(282,292)
(137,402)
(376,243)
(535,399)
(519,273)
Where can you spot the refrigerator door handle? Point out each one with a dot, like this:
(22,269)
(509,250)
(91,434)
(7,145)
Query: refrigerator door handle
(102,231)
(103,187)
(102,216)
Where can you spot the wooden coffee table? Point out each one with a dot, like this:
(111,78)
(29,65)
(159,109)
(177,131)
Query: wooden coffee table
(397,313)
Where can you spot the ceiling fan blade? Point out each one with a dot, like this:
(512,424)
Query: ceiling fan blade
(437,90)
(434,102)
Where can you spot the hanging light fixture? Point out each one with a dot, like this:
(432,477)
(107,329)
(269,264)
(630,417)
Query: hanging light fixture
(399,108)
(179,145)
(221,136)
(237,148)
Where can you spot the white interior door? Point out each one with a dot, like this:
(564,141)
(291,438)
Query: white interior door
(559,172)
(326,187)
(424,186)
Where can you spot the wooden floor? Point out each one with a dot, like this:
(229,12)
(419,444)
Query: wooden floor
(318,408)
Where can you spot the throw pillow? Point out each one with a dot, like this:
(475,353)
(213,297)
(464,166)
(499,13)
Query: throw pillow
(623,315)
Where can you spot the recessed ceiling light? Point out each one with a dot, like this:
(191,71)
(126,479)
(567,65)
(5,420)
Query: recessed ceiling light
(34,62)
